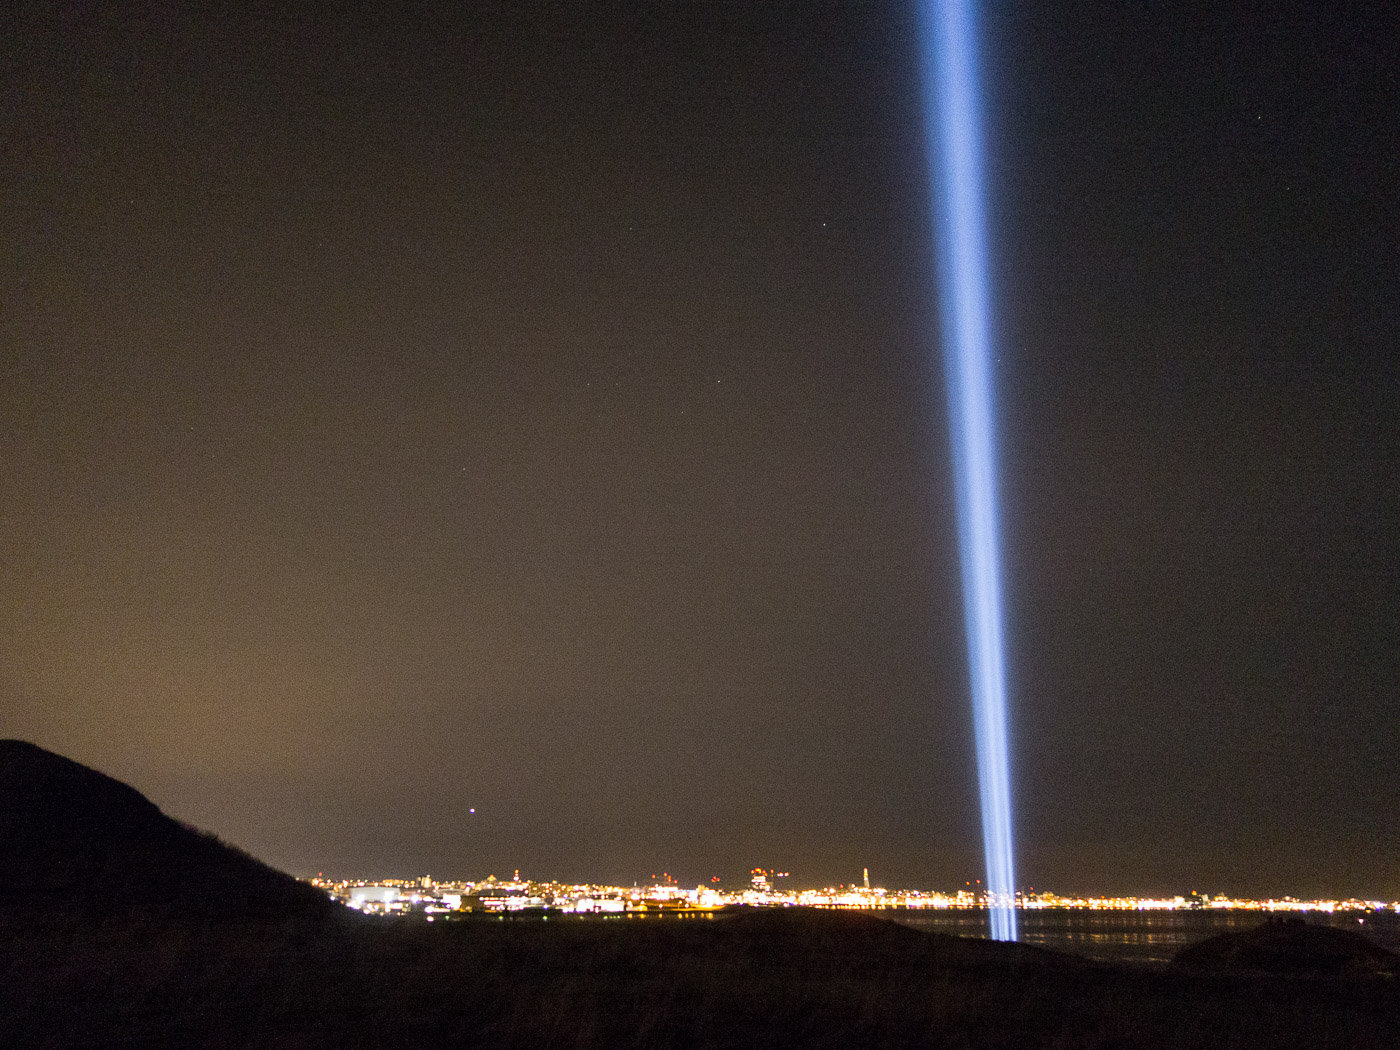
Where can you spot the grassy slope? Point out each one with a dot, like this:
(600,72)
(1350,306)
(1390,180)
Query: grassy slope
(772,980)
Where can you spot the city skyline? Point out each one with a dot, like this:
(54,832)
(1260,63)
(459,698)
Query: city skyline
(517,893)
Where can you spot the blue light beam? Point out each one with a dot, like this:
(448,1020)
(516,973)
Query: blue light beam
(954,139)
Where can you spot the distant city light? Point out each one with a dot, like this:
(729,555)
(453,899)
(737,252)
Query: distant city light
(953,135)
(491,895)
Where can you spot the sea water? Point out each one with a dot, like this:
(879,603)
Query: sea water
(1151,937)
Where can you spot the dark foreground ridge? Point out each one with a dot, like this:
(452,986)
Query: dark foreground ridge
(75,840)
(295,971)
(1290,945)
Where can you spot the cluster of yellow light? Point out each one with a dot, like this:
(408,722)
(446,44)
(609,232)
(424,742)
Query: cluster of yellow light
(516,894)
(1196,901)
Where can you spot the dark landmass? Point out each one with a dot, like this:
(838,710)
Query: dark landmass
(126,969)
(75,840)
(1290,945)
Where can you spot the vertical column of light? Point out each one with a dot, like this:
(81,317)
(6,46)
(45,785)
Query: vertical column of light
(950,73)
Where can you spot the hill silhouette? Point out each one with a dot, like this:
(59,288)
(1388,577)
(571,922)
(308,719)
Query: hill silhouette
(75,840)
(1292,946)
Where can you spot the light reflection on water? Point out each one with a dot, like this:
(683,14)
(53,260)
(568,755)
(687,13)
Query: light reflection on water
(1135,936)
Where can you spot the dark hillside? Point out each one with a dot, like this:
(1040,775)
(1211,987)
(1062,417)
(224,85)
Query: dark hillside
(798,980)
(73,839)
(1290,945)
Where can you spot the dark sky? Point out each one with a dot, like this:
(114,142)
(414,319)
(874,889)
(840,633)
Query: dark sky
(540,410)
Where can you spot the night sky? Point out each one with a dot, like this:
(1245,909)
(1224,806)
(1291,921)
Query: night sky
(540,409)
